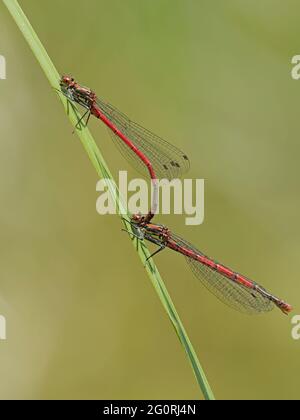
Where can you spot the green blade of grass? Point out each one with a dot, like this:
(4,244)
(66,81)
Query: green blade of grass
(102,170)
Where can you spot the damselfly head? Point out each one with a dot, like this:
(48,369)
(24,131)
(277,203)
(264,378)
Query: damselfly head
(66,81)
(137,219)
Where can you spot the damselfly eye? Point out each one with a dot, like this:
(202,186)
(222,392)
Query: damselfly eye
(67,80)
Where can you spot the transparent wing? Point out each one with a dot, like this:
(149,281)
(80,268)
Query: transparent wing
(228,291)
(167,160)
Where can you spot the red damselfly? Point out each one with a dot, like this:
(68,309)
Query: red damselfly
(143,149)
(232,288)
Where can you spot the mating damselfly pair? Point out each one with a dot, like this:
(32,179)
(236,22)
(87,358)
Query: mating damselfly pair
(149,152)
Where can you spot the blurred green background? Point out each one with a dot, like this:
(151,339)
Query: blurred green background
(213,77)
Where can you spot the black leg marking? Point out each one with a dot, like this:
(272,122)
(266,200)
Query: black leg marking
(161,248)
(78,125)
(132,234)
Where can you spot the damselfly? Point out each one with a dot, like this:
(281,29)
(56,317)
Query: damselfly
(143,149)
(234,289)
